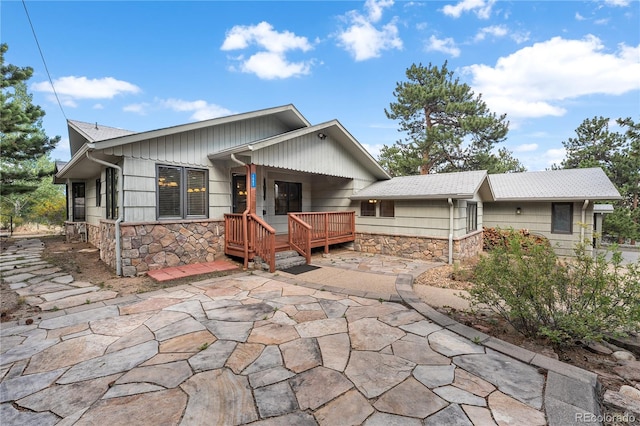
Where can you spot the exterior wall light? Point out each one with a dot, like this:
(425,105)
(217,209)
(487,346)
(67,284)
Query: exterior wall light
(518,210)
(322,136)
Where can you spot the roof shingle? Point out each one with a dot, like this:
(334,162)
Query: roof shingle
(565,184)
(433,186)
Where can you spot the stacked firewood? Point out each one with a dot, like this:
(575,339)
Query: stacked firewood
(498,237)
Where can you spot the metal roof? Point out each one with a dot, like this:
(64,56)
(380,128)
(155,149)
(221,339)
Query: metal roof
(333,128)
(433,186)
(565,184)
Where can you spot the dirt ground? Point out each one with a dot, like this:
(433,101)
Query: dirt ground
(82,261)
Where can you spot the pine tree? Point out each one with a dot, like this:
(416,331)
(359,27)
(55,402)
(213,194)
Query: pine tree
(448,127)
(22,139)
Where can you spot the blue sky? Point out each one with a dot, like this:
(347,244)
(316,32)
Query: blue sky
(150,64)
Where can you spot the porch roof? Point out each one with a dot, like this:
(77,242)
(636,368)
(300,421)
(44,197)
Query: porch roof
(332,129)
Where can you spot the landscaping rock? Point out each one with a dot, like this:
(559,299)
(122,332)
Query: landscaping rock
(622,402)
(623,356)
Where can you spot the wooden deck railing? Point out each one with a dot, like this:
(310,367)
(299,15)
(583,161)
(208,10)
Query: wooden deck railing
(307,230)
(300,236)
(326,228)
(260,241)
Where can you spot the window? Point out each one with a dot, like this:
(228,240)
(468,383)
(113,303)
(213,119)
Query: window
(368,207)
(562,218)
(472,217)
(111,177)
(77,189)
(182,192)
(387,208)
(98,192)
(288,197)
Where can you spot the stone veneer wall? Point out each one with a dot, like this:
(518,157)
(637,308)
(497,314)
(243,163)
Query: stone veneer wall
(154,245)
(423,248)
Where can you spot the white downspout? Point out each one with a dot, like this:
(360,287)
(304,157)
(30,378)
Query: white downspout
(450,201)
(583,219)
(120,210)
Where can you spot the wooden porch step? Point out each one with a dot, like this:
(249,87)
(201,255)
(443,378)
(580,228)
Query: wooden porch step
(282,243)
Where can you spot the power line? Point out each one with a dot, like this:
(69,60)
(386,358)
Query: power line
(43,61)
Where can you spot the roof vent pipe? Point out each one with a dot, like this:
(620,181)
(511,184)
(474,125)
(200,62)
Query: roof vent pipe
(120,210)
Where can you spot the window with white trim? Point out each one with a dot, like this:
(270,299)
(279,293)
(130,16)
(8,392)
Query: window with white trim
(182,192)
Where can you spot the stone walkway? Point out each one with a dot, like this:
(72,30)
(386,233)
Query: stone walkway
(260,348)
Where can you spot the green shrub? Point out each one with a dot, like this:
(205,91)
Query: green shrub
(584,298)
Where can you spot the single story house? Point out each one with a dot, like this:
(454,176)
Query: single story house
(252,184)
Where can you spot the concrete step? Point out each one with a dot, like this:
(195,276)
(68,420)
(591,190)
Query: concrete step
(286,260)
(286,254)
(290,262)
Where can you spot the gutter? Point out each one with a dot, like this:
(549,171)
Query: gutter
(120,210)
(450,201)
(245,213)
(583,219)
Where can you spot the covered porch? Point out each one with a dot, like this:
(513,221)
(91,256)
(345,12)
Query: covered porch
(292,191)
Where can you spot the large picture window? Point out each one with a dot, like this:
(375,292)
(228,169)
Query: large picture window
(288,197)
(182,192)
(562,218)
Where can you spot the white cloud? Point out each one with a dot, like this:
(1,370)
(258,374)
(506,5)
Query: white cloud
(202,110)
(554,156)
(73,88)
(98,106)
(494,30)
(497,31)
(447,45)
(482,8)
(579,17)
(526,147)
(271,62)
(621,3)
(362,39)
(376,7)
(520,37)
(272,65)
(532,81)
(263,35)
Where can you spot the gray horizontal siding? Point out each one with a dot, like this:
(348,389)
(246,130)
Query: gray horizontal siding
(536,217)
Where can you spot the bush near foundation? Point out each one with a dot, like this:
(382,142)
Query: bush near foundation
(581,299)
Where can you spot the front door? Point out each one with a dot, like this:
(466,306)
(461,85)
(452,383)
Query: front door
(239,190)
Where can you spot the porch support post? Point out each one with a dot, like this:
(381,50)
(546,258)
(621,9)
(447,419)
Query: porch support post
(252,180)
(326,233)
